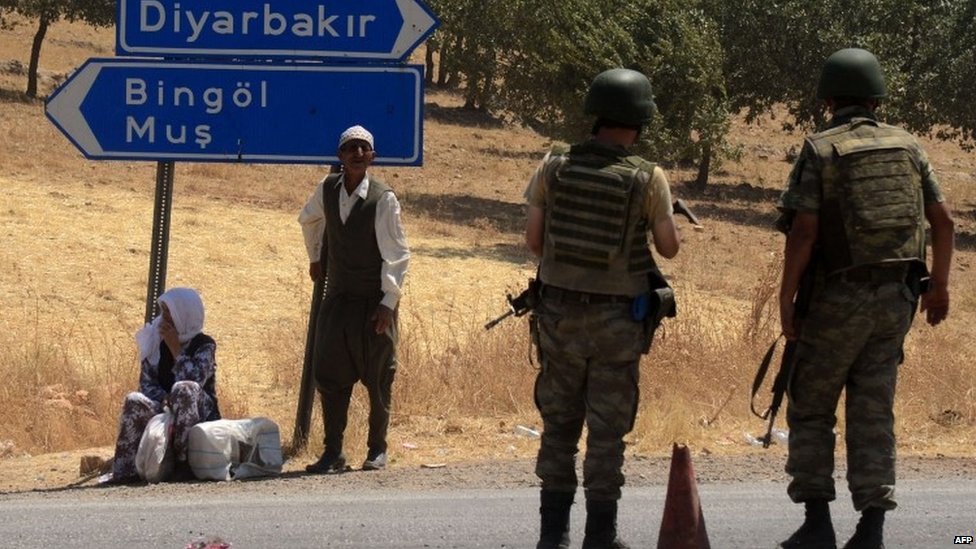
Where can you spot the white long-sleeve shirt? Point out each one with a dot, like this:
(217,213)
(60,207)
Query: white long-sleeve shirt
(390,238)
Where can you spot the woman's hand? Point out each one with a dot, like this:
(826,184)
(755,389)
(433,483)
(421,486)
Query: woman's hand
(167,331)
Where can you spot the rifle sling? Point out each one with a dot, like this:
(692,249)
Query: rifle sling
(760,376)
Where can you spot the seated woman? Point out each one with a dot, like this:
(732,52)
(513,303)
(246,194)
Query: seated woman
(178,370)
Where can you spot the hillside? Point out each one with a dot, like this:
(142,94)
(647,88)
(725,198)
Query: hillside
(75,255)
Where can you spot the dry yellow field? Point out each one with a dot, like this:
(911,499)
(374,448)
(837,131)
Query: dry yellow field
(75,256)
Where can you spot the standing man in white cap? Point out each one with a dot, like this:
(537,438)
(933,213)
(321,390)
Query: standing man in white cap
(352,222)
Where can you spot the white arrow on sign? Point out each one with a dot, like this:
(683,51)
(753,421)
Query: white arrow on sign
(67,107)
(417,24)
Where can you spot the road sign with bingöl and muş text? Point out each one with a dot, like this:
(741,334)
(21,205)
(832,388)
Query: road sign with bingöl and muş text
(128,109)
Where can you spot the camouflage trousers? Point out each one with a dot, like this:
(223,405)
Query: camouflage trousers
(851,339)
(188,402)
(590,356)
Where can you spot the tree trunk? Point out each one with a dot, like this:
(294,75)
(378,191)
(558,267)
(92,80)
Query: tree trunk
(446,78)
(429,61)
(35,57)
(702,180)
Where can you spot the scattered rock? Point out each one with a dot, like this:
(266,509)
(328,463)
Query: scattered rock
(947,418)
(92,464)
(7,448)
(13,66)
(59,403)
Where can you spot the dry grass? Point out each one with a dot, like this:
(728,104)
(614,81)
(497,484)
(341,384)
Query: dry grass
(74,257)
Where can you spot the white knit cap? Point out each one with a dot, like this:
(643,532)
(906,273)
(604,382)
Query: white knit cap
(356,132)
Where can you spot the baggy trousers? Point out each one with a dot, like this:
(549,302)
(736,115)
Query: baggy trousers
(590,356)
(851,339)
(347,350)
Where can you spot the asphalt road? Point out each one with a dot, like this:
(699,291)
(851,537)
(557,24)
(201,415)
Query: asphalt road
(737,515)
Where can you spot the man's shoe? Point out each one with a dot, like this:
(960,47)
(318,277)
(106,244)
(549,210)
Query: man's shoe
(375,461)
(816,532)
(328,464)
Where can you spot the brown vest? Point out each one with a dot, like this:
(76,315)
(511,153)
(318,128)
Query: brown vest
(353,255)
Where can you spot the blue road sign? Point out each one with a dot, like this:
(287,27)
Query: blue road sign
(128,109)
(352,29)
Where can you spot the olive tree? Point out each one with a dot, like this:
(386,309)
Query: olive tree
(937,88)
(561,46)
(94,12)
(5,8)
(472,38)
(774,52)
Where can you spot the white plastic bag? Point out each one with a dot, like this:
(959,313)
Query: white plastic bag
(154,459)
(235,448)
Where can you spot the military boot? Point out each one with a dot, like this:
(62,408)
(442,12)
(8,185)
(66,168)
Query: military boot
(554,510)
(816,532)
(601,526)
(869,533)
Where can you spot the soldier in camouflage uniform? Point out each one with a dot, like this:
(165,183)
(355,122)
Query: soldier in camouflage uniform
(590,209)
(857,198)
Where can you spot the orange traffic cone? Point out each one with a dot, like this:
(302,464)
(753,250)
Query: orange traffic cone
(683,525)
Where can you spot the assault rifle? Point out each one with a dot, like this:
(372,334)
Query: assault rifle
(520,304)
(804,294)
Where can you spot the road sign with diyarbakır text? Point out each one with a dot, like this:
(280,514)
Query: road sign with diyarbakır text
(128,109)
(351,29)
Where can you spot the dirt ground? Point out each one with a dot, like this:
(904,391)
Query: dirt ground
(57,474)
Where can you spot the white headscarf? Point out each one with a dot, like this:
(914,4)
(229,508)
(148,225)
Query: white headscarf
(186,308)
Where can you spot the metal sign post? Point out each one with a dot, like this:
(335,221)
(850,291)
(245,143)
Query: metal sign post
(160,237)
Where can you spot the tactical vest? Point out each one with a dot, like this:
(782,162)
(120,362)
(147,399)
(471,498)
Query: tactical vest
(596,232)
(354,256)
(872,209)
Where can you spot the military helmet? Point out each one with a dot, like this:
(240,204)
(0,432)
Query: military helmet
(621,95)
(852,72)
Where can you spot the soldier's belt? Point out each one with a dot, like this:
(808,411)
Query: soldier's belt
(876,274)
(571,296)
